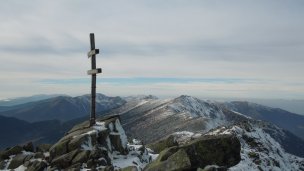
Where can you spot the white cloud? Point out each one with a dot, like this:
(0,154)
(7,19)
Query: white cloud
(201,39)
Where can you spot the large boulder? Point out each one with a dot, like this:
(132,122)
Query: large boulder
(16,161)
(179,160)
(59,148)
(81,157)
(167,142)
(11,151)
(65,160)
(223,150)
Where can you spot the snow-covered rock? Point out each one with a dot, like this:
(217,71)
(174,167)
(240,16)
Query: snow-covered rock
(259,150)
(101,146)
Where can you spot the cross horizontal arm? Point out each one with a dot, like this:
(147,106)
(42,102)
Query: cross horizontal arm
(94,71)
(93,52)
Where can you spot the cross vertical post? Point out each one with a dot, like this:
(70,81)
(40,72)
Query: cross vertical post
(92,54)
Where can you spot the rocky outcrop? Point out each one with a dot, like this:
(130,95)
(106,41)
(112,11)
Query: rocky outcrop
(91,146)
(23,157)
(202,152)
(10,151)
(102,147)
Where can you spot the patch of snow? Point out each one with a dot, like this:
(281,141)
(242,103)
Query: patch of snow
(38,159)
(134,158)
(183,137)
(8,161)
(241,114)
(99,126)
(27,152)
(88,144)
(46,154)
(121,131)
(90,132)
(109,144)
(154,156)
(111,127)
(114,133)
(184,133)
(221,131)
(136,142)
(20,168)
(214,132)
(137,105)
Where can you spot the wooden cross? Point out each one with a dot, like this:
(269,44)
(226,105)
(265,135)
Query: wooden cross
(92,54)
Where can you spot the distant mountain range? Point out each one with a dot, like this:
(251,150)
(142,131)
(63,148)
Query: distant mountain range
(61,108)
(284,119)
(22,100)
(293,106)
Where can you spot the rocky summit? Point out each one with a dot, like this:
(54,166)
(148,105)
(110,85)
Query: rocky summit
(105,146)
(101,147)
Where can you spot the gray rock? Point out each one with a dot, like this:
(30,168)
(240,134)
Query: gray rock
(2,165)
(39,155)
(177,161)
(37,166)
(223,150)
(76,142)
(74,167)
(116,142)
(81,157)
(130,168)
(11,151)
(163,144)
(64,161)
(17,161)
(28,147)
(43,148)
(59,148)
(102,136)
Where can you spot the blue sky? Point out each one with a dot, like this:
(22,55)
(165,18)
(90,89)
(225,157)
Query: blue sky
(206,48)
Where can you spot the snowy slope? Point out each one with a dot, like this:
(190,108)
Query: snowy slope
(259,150)
(160,117)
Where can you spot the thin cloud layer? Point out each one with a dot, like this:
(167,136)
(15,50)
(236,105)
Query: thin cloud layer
(184,40)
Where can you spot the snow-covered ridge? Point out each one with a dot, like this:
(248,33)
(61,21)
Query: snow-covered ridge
(196,107)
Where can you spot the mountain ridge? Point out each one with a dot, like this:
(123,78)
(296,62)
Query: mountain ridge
(287,120)
(62,108)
